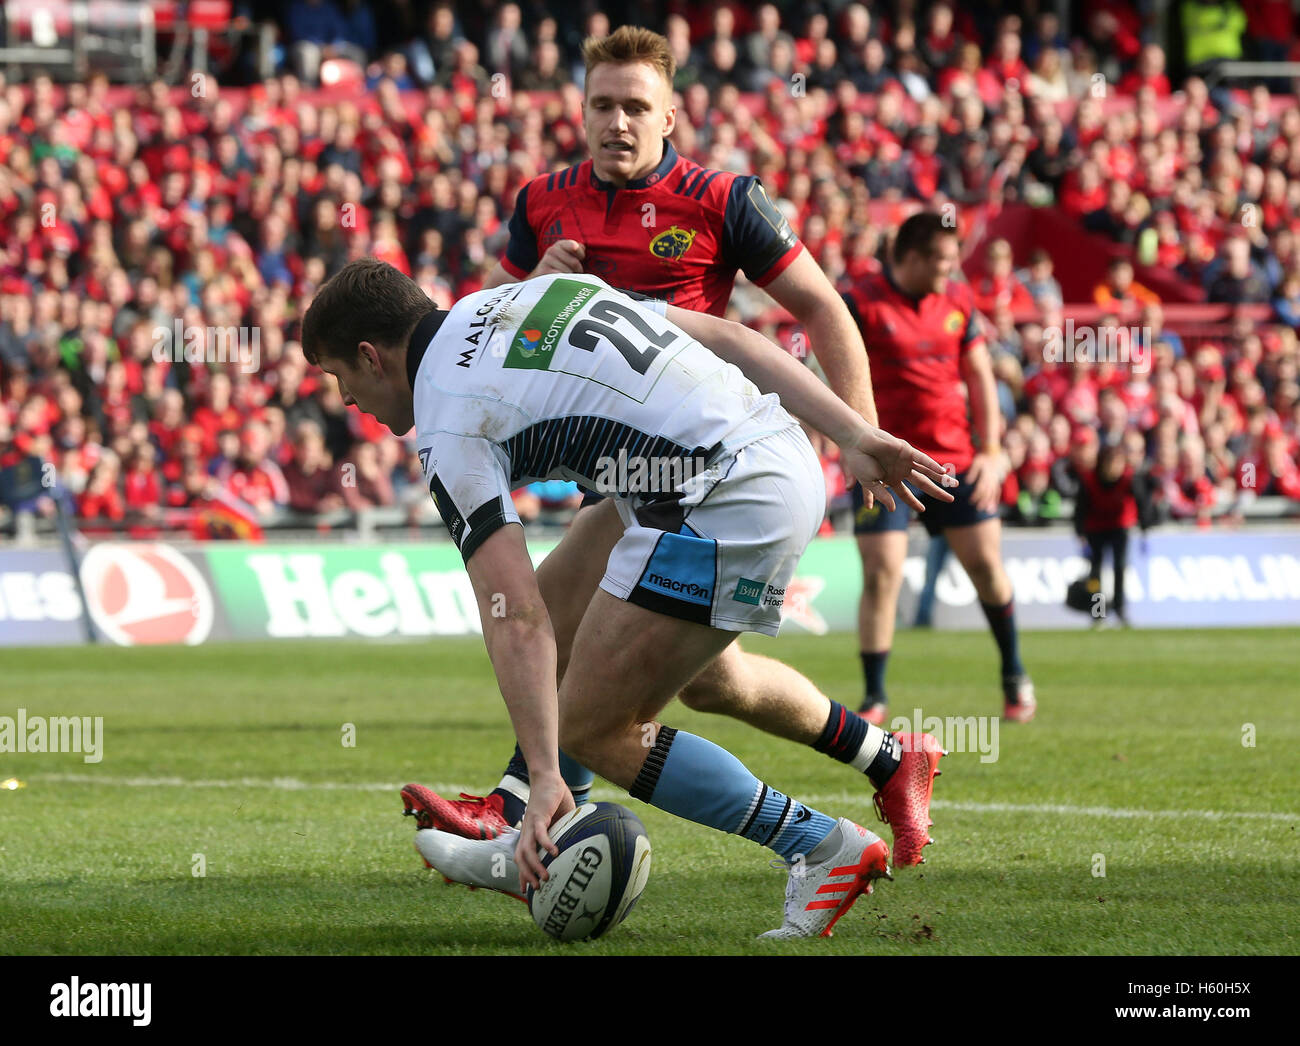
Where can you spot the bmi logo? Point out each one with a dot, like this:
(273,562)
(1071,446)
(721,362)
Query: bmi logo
(748,591)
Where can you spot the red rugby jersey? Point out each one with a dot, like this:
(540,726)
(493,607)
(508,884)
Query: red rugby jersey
(680,233)
(915,349)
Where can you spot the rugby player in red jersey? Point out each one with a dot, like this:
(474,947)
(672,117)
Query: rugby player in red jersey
(647,220)
(928,359)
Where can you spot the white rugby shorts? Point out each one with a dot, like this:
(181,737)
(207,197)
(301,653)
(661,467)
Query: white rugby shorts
(724,552)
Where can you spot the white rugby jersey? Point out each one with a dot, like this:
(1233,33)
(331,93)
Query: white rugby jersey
(554,378)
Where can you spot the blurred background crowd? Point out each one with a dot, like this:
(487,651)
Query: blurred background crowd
(403,131)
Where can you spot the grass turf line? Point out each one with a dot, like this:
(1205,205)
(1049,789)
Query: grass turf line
(1147,719)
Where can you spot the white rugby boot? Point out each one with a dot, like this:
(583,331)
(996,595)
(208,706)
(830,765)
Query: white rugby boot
(818,894)
(488,864)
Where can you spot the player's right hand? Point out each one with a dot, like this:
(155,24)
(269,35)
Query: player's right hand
(985,477)
(561,256)
(549,798)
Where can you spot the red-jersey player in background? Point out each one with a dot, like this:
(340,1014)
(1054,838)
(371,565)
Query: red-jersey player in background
(928,358)
(646,220)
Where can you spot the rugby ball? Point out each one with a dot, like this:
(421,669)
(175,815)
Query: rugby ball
(598,875)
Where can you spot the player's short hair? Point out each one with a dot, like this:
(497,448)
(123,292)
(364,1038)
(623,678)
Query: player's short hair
(627,44)
(919,232)
(366,300)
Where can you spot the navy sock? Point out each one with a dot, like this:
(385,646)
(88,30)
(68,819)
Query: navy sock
(873,669)
(853,740)
(518,767)
(578,778)
(842,736)
(1002,623)
(512,807)
(513,788)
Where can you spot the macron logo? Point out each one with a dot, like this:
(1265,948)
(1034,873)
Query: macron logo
(102,1000)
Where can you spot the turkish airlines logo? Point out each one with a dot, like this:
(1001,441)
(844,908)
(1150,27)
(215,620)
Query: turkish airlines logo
(146,594)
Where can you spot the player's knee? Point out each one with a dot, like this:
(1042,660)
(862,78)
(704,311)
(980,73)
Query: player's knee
(986,575)
(880,577)
(578,740)
(585,739)
(702,695)
(718,687)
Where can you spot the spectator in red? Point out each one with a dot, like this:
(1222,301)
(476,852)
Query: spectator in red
(1079,401)
(1150,72)
(1006,64)
(1082,190)
(387,245)
(999,287)
(1282,478)
(1114,29)
(1106,509)
(252,477)
(1045,374)
(925,167)
(187,447)
(143,490)
(969,79)
(101,498)
(217,415)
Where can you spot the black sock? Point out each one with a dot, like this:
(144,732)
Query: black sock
(1002,622)
(518,767)
(512,806)
(844,738)
(873,669)
(886,762)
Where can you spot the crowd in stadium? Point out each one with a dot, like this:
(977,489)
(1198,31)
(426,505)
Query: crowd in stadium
(185,210)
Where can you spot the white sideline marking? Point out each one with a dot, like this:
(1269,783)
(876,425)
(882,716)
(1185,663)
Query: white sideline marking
(292,784)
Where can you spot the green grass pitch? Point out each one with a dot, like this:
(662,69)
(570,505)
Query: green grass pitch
(235,753)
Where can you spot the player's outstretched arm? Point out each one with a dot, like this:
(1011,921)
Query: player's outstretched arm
(872,455)
(804,291)
(521,643)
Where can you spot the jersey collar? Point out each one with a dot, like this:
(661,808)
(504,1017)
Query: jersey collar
(665,165)
(914,301)
(420,338)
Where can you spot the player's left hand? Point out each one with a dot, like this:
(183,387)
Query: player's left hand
(881,462)
(985,478)
(549,798)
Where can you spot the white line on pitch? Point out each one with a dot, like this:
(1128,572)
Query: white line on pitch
(293,784)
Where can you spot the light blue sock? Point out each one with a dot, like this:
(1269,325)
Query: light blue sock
(695,779)
(578,778)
